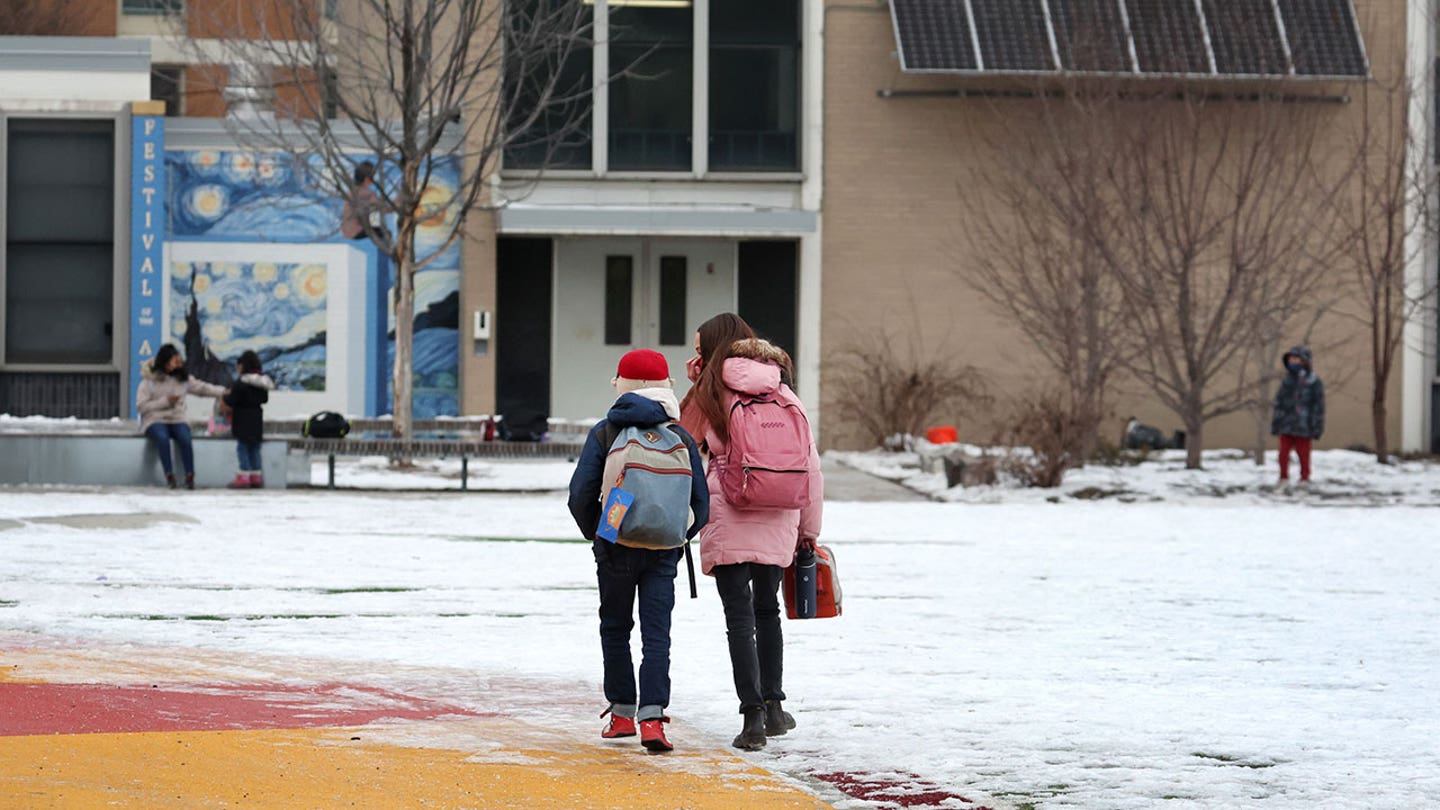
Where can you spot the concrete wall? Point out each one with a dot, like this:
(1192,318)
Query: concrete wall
(127,461)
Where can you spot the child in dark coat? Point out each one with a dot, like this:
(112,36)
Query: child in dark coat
(625,571)
(246,399)
(1299,415)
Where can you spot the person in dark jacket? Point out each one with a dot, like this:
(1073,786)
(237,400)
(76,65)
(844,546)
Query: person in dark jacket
(646,400)
(1299,415)
(246,399)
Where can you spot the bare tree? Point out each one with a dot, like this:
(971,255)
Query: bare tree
(410,85)
(1211,237)
(1032,253)
(1380,213)
(889,383)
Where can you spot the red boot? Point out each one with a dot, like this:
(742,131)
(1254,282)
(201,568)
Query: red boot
(618,727)
(242,481)
(652,735)
(257,481)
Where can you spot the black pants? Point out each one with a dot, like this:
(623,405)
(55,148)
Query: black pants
(750,594)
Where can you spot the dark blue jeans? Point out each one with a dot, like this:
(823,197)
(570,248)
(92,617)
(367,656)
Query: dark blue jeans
(161,434)
(749,594)
(622,572)
(249,455)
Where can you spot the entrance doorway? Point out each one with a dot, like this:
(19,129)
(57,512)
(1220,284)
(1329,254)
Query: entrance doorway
(614,295)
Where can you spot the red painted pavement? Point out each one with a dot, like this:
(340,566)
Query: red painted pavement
(90,708)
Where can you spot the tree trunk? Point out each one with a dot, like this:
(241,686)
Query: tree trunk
(1194,441)
(1382,436)
(1262,442)
(404,380)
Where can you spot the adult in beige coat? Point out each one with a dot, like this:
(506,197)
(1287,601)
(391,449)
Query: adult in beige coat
(161,403)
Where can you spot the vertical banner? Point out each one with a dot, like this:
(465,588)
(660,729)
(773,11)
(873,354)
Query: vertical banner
(147,229)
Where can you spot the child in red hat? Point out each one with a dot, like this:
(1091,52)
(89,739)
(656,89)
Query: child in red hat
(626,571)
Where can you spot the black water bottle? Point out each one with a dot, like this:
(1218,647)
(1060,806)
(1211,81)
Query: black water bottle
(805,583)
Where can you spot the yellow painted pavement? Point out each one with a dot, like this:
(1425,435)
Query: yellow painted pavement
(450,762)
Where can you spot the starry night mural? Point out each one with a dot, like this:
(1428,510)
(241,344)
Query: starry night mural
(237,196)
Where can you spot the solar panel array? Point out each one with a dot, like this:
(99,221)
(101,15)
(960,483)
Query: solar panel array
(1309,38)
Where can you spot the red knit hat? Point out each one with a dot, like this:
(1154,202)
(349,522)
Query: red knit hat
(643,364)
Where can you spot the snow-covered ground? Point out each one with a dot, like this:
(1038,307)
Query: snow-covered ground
(1186,649)
(1339,477)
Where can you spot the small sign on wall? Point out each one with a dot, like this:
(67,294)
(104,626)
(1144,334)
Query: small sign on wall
(147,232)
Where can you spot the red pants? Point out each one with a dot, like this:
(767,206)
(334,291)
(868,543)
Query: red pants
(1301,446)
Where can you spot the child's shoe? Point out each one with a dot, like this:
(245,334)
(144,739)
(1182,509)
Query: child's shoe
(242,481)
(618,726)
(257,481)
(652,735)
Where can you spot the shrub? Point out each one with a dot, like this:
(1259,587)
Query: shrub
(1055,434)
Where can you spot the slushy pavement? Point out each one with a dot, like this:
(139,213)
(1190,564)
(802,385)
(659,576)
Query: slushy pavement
(85,724)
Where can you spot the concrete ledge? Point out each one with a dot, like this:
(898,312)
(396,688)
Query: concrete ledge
(35,458)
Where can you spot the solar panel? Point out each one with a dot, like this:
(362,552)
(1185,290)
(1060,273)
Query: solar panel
(1323,38)
(934,35)
(1090,35)
(1099,36)
(1013,35)
(1245,37)
(1168,36)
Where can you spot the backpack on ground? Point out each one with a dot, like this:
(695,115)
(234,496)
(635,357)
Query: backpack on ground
(326,425)
(652,465)
(767,462)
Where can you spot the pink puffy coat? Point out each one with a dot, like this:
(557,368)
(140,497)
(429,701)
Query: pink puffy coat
(766,536)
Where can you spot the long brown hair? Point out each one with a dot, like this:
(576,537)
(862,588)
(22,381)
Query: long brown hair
(710,388)
(716,335)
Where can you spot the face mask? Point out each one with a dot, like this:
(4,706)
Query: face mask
(1294,366)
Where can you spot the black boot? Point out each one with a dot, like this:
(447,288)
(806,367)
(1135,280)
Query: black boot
(777,720)
(189,480)
(752,736)
(169,480)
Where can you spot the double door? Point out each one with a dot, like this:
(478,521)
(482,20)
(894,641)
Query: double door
(617,294)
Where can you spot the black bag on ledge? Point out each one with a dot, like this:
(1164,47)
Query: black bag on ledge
(326,425)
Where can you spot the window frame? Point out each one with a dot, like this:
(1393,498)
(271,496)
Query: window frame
(151,8)
(120,298)
(699,168)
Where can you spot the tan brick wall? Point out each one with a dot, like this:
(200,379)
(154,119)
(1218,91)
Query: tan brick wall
(477,292)
(895,170)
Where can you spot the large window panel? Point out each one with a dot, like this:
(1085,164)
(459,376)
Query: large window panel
(548,82)
(754,85)
(59,250)
(651,95)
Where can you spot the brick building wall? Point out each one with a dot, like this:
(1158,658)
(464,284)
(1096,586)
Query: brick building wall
(896,170)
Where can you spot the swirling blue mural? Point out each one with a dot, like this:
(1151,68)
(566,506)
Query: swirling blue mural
(277,310)
(237,196)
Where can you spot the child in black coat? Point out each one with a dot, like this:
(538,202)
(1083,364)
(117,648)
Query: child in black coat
(246,399)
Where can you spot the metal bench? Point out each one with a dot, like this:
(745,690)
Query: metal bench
(465,448)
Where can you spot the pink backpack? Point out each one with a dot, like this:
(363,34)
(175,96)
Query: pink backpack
(767,463)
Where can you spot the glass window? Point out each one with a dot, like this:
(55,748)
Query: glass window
(651,94)
(548,79)
(165,86)
(151,6)
(619,283)
(59,246)
(672,301)
(754,85)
